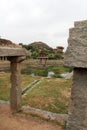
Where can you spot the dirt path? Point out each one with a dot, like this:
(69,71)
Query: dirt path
(9,121)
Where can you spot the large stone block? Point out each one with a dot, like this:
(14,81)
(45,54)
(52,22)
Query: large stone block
(80,23)
(76,53)
(78,32)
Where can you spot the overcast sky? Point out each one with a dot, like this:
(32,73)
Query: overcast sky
(26,21)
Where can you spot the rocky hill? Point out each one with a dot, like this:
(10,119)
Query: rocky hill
(8,43)
(40,45)
(36,48)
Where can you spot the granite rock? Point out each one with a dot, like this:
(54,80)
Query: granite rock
(76,53)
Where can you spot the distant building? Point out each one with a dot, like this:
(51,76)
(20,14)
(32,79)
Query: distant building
(59,49)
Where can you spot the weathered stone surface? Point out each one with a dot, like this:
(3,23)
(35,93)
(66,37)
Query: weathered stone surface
(78,109)
(80,24)
(76,54)
(60,118)
(76,57)
(16,91)
(8,48)
(15,54)
(78,33)
(6,51)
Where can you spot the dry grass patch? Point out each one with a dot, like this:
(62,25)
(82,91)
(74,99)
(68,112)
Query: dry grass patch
(5,84)
(50,94)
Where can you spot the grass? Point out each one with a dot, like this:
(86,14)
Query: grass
(35,70)
(26,80)
(5,84)
(44,71)
(50,94)
(4,87)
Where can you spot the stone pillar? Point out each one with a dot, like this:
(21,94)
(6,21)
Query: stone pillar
(15,94)
(76,57)
(78,108)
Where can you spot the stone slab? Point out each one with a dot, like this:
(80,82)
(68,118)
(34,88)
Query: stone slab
(6,51)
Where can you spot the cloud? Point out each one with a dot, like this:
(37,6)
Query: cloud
(40,20)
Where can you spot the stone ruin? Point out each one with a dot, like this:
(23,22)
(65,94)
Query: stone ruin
(76,57)
(15,54)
